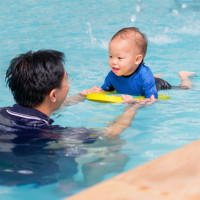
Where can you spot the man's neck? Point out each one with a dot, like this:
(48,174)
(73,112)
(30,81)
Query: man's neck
(44,109)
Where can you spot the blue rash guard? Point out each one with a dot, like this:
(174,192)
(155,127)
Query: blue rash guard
(140,83)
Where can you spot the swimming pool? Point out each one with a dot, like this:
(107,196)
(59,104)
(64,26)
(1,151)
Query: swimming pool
(82,30)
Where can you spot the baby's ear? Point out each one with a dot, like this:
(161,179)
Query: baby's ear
(138,59)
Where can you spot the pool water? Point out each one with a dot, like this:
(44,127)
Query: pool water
(82,30)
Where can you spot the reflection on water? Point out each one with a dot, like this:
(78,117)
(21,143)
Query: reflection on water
(44,157)
(25,160)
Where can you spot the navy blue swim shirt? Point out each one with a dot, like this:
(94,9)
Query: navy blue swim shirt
(25,155)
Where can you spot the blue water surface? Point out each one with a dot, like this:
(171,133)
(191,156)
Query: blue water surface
(82,30)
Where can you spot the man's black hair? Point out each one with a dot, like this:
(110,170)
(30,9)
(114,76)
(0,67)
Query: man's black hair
(31,76)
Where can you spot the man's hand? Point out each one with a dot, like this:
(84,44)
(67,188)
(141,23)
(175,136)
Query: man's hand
(129,99)
(94,89)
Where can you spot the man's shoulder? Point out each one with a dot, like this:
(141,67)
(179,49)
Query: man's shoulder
(3,111)
(5,121)
(4,108)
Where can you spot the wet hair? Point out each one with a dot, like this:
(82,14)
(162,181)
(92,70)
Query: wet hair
(136,35)
(33,75)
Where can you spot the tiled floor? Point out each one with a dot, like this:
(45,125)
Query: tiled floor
(175,176)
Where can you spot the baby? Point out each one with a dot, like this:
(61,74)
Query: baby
(129,75)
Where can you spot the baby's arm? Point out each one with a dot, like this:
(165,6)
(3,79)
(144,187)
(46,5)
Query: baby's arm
(149,87)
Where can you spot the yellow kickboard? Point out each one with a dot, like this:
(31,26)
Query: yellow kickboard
(102,97)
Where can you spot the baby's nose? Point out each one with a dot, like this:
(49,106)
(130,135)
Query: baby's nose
(114,61)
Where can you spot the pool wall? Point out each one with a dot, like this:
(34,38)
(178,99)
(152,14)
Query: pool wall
(175,175)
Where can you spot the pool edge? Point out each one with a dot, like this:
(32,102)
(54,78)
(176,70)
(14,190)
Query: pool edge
(175,175)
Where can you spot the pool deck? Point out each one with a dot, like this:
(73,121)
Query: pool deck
(174,176)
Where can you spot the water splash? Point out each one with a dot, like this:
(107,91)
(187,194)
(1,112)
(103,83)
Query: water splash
(162,39)
(133,18)
(138,8)
(191,28)
(93,39)
(175,12)
(184,5)
(104,44)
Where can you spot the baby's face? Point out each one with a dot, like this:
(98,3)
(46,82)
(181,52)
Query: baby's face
(122,56)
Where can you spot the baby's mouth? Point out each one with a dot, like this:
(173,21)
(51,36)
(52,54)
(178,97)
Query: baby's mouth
(115,70)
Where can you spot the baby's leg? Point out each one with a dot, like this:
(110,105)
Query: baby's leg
(162,84)
(186,83)
(158,75)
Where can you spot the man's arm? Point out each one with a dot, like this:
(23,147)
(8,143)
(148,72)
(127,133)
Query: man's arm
(81,96)
(74,99)
(122,122)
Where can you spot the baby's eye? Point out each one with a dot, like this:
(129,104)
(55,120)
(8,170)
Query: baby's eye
(110,56)
(120,58)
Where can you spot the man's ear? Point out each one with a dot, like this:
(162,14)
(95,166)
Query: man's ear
(52,96)
(138,59)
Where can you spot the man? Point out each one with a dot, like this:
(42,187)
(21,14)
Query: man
(39,84)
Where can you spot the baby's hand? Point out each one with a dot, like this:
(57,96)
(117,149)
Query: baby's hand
(92,90)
